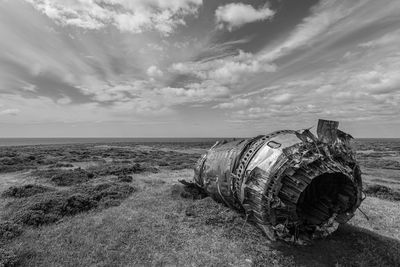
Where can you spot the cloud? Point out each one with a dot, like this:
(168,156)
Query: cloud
(283,99)
(146,97)
(64,101)
(235,15)
(11,111)
(386,39)
(226,71)
(323,16)
(236,103)
(105,92)
(340,61)
(205,91)
(378,81)
(127,15)
(154,72)
(29,88)
(156,47)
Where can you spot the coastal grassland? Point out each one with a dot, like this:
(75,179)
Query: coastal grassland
(124,207)
(45,185)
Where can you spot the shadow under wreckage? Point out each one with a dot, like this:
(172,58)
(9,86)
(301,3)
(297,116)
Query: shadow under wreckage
(293,185)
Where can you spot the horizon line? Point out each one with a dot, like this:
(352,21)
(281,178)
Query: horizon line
(161,137)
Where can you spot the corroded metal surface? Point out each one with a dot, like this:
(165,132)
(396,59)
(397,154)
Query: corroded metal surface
(293,185)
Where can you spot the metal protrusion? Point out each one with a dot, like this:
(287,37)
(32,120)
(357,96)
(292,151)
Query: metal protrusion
(327,131)
(363,213)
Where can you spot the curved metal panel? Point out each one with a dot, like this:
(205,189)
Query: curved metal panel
(269,176)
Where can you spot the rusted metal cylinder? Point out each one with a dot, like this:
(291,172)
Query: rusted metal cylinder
(293,185)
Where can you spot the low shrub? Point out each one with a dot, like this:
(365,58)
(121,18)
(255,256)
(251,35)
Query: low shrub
(107,194)
(25,190)
(8,258)
(125,178)
(50,207)
(61,177)
(9,230)
(11,160)
(62,165)
(162,163)
(120,169)
(153,181)
(15,168)
(71,177)
(382,192)
(380,163)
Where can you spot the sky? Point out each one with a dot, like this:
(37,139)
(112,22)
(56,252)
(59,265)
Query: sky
(198,68)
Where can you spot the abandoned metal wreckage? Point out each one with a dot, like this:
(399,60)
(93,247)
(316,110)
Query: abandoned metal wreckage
(291,184)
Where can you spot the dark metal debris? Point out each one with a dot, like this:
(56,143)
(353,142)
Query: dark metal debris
(293,185)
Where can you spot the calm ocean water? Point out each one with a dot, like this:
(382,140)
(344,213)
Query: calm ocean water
(55,141)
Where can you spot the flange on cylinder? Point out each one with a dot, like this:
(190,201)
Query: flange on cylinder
(291,184)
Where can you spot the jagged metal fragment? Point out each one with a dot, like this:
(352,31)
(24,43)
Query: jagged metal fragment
(293,185)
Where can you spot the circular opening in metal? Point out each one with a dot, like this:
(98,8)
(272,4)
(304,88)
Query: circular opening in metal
(326,195)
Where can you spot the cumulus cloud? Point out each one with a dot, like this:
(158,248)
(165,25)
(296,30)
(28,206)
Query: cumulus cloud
(228,70)
(154,72)
(11,111)
(378,81)
(235,15)
(29,87)
(143,96)
(104,92)
(205,91)
(283,98)
(64,100)
(127,15)
(236,103)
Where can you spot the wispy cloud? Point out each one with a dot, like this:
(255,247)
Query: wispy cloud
(323,16)
(323,71)
(78,62)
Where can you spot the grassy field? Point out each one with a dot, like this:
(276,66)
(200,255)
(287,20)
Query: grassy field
(121,205)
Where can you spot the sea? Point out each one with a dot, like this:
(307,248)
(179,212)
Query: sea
(62,141)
